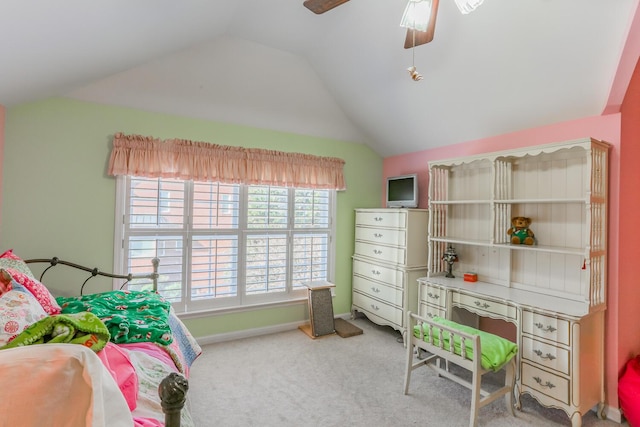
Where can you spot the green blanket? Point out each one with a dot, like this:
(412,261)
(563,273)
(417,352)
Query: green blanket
(130,316)
(496,351)
(81,328)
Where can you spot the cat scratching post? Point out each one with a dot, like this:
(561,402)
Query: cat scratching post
(320,309)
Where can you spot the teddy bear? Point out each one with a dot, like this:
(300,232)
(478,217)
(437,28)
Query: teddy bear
(520,232)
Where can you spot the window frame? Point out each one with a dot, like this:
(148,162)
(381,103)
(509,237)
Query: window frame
(241,301)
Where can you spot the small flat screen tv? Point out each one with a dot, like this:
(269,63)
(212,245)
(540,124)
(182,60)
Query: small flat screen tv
(402,191)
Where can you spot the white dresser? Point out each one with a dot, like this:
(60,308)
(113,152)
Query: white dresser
(390,255)
(554,291)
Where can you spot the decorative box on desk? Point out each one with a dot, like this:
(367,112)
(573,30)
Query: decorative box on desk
(470,277)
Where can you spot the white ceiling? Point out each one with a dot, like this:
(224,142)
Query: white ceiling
(273,64)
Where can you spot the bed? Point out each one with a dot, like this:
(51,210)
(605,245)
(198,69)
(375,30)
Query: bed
(116,358)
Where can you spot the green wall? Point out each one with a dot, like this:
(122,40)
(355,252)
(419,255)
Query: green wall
(59,201)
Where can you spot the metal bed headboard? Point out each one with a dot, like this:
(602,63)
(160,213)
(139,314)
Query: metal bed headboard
(96,272)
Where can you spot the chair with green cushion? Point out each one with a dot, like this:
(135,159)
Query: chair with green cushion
(483,353)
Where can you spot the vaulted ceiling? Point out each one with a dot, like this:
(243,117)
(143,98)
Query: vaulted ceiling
(273,64)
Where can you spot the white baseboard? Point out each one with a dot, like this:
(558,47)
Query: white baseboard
(612,414)
(255,332)
(248,333)
(615,415)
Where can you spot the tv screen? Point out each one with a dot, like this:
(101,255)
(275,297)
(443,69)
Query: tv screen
(402,191)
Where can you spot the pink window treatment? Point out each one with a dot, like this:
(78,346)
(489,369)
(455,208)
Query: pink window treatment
(145,156)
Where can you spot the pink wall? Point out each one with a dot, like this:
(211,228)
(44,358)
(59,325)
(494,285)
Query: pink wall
(605,128)
(628,291)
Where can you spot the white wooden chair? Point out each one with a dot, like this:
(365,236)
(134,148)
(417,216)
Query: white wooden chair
(443,342)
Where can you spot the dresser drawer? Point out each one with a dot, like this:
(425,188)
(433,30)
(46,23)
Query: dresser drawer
(546,383)
(547,327)
(430,311)
(377,272)
(546,355)
(433,295)
(382,253)
(390,219)
(380,309)
(377,290)
(382,236)
(485,307)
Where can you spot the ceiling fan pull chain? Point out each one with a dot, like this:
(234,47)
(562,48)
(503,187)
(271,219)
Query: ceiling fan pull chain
(412,70)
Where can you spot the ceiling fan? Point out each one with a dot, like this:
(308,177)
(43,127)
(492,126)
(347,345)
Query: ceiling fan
(413,38)
(322,6)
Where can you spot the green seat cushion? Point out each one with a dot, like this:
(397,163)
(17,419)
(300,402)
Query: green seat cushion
(496,351)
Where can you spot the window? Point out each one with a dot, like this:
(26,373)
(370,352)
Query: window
(224,245)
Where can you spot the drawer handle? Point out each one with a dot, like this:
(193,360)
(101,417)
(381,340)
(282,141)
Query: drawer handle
(547,329)
(482,305)
(378,218)
(377,251)
(548,356)
(375,272)
(434,296)
(376,290)
(378,235)
(547,384)
(375,307)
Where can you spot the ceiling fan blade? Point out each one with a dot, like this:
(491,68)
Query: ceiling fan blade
(321,6)
(423,37)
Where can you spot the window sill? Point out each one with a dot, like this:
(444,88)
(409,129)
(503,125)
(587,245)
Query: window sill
(240,309)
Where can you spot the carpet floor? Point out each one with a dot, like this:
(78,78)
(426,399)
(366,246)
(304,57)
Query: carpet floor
(287,379)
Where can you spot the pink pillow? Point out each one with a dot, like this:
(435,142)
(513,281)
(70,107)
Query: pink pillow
(37,289)
(9,254)
(10,260)
(18,310)
(21,273)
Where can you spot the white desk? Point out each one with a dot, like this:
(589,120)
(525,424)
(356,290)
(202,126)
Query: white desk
(560,350)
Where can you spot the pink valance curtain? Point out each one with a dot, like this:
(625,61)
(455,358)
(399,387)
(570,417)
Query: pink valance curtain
(150,157)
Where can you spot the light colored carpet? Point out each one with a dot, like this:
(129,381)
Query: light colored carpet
(288,379)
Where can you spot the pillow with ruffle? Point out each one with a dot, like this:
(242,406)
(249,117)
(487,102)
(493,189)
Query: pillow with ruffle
(33,285)
(10,260)
(18,310)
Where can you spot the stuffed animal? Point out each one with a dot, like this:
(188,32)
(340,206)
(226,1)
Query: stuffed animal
(520,232)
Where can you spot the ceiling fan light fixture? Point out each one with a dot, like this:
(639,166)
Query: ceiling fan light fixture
(416,15)
(468,6)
